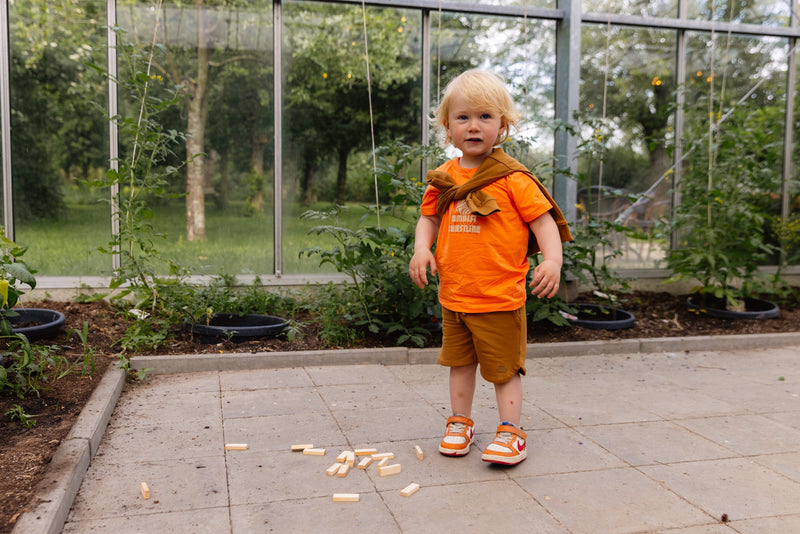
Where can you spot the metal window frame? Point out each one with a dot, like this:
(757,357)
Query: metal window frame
(569,19)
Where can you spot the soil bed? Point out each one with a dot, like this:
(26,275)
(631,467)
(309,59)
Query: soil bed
(26,452)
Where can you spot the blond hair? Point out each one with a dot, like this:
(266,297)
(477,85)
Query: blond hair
(481,89)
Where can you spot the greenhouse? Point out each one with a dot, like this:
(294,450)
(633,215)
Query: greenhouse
(634,112)
(225,251)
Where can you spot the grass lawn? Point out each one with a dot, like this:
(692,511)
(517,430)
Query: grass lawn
(235,243)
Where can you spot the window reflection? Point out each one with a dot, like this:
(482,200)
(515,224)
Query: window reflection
(628,77)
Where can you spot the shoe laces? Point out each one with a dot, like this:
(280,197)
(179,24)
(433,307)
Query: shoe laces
(504,437)
(456,427)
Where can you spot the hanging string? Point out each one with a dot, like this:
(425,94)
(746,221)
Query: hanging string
(371,118)
(439,57)
(605,105)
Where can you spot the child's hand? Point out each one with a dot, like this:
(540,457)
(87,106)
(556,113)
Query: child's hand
(546,279)
(418,267)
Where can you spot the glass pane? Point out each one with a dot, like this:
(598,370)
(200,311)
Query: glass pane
(216,211)
(627,76)
(521,51)
(773,13)
(327,154)
(642,8)
(788,230)
(550,4)
(60,134)
(741,86)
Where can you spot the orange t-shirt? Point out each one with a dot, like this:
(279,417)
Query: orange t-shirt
(482,261)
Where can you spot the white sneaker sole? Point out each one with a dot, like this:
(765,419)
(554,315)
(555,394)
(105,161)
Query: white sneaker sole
(504,460)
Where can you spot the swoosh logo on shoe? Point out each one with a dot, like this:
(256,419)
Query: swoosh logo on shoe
(520,445)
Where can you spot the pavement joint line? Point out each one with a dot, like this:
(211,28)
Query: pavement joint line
(56,492)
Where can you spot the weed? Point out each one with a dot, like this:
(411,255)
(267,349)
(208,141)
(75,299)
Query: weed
(17,413)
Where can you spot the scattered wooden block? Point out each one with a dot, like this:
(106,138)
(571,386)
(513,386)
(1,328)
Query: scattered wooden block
(364,463)
(345,497)
(145,490)
(383,462)
(343,470)
(302,446)
(410,490)
(365,452)
(382,455)
(342,458)
(350,459)
(388,470)
(236,446)
(314,452)
(332,470)
(418,450)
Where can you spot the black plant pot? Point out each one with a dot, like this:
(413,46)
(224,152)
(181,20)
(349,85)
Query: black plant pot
(715,307)
(37,323)
(598,317)
(225,326)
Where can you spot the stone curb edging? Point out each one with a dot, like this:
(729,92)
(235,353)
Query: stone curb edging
(57,490)
(188,363)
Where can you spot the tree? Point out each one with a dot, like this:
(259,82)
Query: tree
(57,133)
(327,106)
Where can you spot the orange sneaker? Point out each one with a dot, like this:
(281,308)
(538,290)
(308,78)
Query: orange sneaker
(509,446)
(459,436)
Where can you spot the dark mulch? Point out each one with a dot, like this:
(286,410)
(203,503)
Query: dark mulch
(25,453)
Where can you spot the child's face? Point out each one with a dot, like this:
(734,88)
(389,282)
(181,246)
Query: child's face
(472,130)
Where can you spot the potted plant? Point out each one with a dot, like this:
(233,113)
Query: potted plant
(32,322)
(724,210)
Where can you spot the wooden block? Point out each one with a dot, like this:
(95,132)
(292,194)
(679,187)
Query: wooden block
(236,446)
(365,452)
(351,458)
(382,455)
(343,470)
(145,490)
(410,490)
(364,463)
(332,470)
(314,452)
(342,458)
(418,450)
(302,446)
(345,497)
(388,470)
(384,462)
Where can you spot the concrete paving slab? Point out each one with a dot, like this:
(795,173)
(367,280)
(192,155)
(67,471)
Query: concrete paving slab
(654,442)
(113,490)
(402,423)
(612,500)
(738,487)
(368,516)
(264,379)
(193,438)
(352,374)
(661,442)
(748,435)
(490,506)
(205,521)
(151,408)
(261,402)
(279,432)
(563,450)
(788,523)
(786,464)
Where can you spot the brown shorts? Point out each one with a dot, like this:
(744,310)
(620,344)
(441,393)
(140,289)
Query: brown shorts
(496,340)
